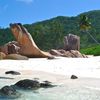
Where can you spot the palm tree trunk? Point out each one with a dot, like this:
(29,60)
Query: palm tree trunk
(93,38)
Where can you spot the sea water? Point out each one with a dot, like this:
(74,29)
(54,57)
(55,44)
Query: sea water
(61,92)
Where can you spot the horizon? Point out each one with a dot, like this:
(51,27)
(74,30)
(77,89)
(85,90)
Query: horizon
(32,11)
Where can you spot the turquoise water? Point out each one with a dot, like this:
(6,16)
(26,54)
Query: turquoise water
(66,91)
(80,89)
(61,93)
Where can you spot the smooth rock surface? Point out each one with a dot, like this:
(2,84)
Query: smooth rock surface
(12,72)
(9,92)
(74,77)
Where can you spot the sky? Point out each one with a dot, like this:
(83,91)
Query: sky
(31,11)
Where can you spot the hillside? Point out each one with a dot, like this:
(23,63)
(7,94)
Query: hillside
(49,33)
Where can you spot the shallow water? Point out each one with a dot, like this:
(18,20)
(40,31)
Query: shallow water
(62,92)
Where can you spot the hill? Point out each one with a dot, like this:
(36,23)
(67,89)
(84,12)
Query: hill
(49,33)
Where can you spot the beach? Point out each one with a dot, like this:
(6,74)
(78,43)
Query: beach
(58,71)
(82,67)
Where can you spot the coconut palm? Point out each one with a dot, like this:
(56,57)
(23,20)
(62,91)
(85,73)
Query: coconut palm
(85,25)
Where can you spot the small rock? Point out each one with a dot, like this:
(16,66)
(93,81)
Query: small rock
(52,57)
(74,77)
(12,72)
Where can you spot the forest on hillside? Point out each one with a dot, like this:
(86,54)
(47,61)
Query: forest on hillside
(50,33)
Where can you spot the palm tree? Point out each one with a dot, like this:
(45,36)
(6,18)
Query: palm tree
(85,25)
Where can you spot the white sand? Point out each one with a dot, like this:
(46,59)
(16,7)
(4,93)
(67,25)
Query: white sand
(83,67)
(56,70)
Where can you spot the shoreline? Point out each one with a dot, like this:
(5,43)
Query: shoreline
(42,76)
(58,72)
(81,67)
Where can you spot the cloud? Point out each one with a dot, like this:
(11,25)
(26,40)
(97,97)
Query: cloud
(25,1)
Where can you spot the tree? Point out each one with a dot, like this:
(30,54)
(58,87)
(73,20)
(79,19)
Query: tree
(85,25)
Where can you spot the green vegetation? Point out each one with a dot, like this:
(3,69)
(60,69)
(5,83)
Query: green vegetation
(5,36)
(95,50)
(50,33)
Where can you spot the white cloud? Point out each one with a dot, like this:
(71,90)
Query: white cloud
(25,1)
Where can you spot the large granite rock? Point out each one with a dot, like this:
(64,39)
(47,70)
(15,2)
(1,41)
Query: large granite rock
(64,53)
(55,52)
(11,51)
(10,48)
(72,42)
(77,54)
(13,47)
(16,57)
(26,42)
